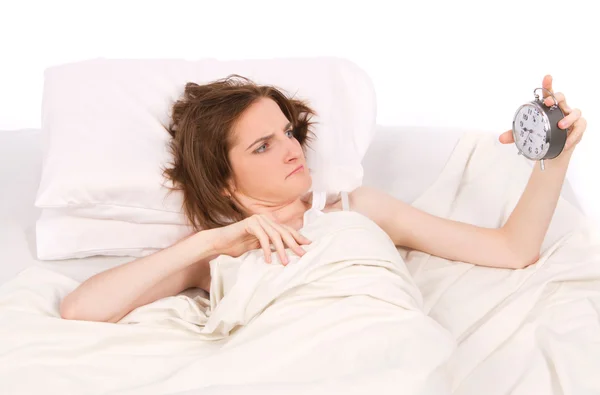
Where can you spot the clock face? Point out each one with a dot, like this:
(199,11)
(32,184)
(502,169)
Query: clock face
(530,131)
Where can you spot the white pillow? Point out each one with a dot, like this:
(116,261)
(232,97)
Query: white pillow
(60,236)
(405,160)
(104,137)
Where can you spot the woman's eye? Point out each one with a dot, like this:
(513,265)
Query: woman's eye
(290,133)
(260,149)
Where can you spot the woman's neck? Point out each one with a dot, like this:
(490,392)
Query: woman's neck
(290,214)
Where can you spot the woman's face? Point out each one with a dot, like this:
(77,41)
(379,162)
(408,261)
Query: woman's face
(267,161)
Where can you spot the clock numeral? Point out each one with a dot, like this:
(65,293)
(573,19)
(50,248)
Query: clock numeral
(536,151)
(529,149)
(525,117)
(521,123)
(522,133)
(529,111)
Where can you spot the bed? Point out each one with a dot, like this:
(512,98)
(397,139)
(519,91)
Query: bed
(521,332)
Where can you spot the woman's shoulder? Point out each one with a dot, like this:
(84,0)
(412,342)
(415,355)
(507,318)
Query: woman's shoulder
(365,200)
(373,203)
(366,196)
(360,198)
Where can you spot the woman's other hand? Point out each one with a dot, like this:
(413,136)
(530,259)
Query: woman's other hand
(257,231)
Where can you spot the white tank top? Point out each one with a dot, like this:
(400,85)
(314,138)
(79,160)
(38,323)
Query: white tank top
(318,204)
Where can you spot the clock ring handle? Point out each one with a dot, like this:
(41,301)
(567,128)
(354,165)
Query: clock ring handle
(537,97)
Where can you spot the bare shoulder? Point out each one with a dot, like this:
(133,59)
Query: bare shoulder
(374,203)
(364,194)
(377,205)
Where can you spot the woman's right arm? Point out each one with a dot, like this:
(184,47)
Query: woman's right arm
(110,295)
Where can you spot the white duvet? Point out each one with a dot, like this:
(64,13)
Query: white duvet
(344,317)
(532,331)
(352,316)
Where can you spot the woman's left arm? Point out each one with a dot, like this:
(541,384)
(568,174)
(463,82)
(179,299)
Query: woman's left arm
(408,226)
(515,245)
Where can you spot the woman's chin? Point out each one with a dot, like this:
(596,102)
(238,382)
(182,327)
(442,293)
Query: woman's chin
(299,185)
(305,182)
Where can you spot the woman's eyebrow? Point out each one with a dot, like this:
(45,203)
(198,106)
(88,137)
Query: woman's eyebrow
(267,137)
(258,140)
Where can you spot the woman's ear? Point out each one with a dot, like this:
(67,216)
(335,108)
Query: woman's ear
(229,189)
(226,193)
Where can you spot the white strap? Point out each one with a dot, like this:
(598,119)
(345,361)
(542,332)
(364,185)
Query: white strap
(345,203)
(319,201)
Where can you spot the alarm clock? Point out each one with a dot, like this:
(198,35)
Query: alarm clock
(535,129)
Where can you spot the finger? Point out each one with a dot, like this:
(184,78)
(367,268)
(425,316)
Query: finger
(258,232)
(576,134)
(547,85)
(562,102)
(291,239)
(300,237)
(507,137)
(275,239)
(570,119)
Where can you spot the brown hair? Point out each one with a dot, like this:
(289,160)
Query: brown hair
(201,125)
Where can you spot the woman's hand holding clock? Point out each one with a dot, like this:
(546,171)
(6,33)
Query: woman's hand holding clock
(573,122)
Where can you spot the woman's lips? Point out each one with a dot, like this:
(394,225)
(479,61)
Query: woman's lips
(296,170)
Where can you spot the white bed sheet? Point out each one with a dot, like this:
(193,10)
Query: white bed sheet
(505,322)
(521,332)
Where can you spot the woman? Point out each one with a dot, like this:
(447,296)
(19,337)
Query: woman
(239,159)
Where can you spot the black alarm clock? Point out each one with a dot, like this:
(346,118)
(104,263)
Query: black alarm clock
(536,131)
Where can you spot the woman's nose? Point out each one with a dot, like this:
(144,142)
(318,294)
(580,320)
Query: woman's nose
(293,150)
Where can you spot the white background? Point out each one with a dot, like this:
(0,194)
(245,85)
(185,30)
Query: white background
(441,63)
